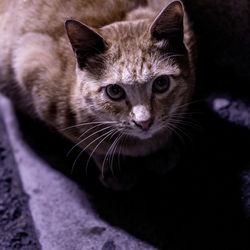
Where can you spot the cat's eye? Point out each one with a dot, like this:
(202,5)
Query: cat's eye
(161,84)
(115,92)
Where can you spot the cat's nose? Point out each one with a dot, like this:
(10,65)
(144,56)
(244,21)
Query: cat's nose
(144,125)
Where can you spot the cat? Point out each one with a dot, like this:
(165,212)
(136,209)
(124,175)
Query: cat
(113,76)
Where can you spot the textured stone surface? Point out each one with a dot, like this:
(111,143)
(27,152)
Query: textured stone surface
(16,225)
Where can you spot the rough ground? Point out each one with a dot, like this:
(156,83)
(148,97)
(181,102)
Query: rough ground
(16,226)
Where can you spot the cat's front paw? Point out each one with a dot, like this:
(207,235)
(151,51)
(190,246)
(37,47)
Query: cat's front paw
(111,182)
(163,161)
(114,177)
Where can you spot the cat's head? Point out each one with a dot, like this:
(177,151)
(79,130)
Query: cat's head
(134,73)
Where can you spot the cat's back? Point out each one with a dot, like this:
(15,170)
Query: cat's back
(18,18)
(47,15)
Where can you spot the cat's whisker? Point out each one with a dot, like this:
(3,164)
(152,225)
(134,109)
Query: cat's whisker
(113,152)
(189,103)
(88,123)
(186,122)
(119,152)
(185,113)
(79,155)
(107,154)
(160,127)
(175,56)
(172,54)
(85,132)
(93,151)
(184,116)
(86,138)
(181,117)
(177,127)
(173,129)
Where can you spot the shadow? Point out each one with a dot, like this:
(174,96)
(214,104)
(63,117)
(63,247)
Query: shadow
(222,31)
(198,205)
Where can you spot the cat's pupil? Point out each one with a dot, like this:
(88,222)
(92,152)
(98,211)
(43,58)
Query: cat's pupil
(161,82)
(116,90)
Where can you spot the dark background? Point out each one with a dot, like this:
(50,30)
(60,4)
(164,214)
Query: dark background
(223,37)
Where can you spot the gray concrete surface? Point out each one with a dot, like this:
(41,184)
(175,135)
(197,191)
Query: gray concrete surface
(16,225)
(63,216)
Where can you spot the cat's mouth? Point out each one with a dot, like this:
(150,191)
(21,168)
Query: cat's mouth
(143,134)
(154,130)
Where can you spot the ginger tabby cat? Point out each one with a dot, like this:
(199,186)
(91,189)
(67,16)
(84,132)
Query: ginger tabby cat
(109,75)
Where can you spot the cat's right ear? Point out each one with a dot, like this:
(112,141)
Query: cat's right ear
(84,40)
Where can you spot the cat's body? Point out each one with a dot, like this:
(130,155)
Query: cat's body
(39,71)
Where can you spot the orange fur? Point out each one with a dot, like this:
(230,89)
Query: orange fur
(39,71)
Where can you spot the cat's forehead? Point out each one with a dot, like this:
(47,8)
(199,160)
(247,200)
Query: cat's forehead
(138,66)
(139,71)
(131,58)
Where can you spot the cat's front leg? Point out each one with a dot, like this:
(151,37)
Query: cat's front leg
(163,161)
(120,173)
(113,172)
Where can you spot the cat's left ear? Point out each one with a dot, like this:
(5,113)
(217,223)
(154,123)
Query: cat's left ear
(169,23)
(85,41)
